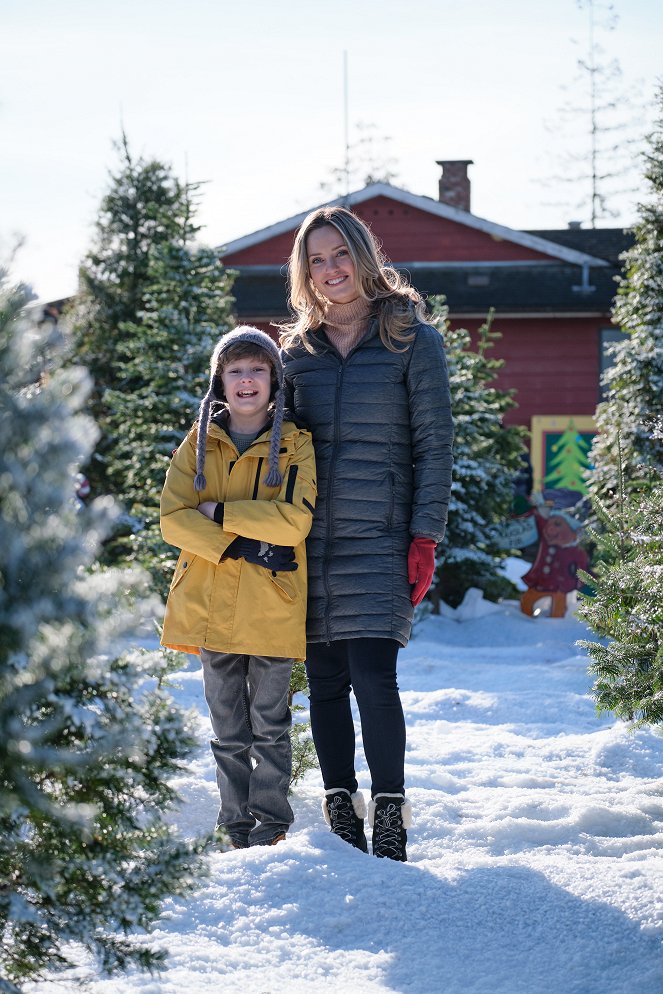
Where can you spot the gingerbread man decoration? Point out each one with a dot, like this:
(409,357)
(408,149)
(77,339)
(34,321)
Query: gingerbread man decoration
(554,572)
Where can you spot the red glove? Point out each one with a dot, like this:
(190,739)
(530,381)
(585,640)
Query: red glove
(420,567)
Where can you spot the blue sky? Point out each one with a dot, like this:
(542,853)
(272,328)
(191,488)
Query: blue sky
(249,99)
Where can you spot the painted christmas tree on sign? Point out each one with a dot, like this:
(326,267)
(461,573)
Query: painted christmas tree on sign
(568,459)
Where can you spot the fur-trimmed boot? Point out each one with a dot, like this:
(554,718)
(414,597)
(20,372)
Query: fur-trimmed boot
(389,815)
(344,813)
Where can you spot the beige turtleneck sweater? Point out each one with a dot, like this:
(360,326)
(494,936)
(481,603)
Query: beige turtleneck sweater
(346,324)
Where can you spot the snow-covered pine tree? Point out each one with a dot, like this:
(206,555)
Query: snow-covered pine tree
(634,384)
(487,458)
(626,484)
(626,609)
(88,743)
(145,206)
(162,373)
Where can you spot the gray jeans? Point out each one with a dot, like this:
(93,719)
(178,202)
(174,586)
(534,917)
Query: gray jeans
(247,698)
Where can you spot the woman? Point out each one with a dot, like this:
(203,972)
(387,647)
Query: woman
(369,377)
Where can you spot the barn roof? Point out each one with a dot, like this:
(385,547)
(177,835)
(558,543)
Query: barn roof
(555,249)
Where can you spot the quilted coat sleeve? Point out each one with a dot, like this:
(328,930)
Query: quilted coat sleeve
(182,524)
(285,520)
(431,430)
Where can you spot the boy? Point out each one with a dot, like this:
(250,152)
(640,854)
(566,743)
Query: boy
(238,501)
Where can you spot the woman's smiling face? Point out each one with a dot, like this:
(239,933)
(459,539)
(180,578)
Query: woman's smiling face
(330,265)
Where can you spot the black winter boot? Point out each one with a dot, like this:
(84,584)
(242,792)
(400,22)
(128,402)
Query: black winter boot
(389,815)
(344,813)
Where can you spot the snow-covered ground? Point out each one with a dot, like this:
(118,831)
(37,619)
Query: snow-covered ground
(535,855)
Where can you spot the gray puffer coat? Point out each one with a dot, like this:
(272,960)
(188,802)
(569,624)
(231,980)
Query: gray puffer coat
(382,432)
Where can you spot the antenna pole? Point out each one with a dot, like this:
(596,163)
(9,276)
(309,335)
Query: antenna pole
(345,124)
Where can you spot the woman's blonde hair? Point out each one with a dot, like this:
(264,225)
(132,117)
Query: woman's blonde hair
(396,304)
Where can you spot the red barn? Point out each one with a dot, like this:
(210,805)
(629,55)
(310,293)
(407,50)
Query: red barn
(552,291)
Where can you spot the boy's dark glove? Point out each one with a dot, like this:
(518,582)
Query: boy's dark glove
(278,558)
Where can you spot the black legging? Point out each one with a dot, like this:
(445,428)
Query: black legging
(368,666)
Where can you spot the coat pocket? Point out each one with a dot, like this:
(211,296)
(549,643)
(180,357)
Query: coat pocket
(285,585)
(184,564)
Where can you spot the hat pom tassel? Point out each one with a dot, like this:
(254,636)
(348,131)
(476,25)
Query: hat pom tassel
(199,482)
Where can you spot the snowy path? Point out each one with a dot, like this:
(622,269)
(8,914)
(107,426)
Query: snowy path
(535,857)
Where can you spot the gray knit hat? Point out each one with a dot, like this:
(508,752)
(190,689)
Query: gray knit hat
(245,334)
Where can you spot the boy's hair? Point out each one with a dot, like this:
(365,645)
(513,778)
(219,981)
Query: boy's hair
(255,342)
(243,350)
(397,305)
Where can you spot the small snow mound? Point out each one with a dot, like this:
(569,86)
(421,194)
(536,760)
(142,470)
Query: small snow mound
(474,605)
(608,822)
(514,569)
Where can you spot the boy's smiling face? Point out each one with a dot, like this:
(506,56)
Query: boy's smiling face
(247,385)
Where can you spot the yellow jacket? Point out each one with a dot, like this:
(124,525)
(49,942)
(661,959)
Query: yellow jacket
(232,605)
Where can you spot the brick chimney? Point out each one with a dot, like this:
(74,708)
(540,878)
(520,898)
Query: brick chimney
(455,183)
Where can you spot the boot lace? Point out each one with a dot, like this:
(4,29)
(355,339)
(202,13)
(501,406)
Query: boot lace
(389,839)
(342,818)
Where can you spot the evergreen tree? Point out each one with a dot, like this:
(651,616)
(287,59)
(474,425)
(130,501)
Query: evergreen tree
(627,482)
(88,743)
(487,457)
(634,384)
(162,372)
(626,609)
(145,207)
(304,756)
